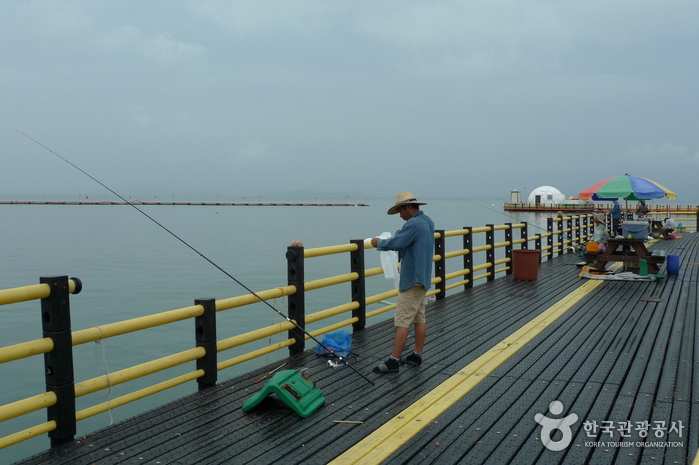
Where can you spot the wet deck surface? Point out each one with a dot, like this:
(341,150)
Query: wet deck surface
(624,353)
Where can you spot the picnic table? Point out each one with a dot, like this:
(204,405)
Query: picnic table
(629,251)
(657,228)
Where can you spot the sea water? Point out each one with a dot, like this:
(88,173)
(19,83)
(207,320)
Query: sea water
(131,267)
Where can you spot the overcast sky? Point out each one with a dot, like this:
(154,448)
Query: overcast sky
(443,98)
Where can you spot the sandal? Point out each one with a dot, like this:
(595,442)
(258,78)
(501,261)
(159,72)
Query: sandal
(387,367)
(411,359)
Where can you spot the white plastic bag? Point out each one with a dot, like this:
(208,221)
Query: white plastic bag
(389,261)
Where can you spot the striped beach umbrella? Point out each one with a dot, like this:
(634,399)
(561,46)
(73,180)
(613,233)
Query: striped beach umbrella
(626,187)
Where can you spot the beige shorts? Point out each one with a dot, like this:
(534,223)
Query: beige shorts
(410,307)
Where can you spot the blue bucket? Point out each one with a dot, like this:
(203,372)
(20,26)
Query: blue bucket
(673,264)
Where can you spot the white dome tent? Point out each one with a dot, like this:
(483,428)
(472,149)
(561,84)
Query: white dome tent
(546,195)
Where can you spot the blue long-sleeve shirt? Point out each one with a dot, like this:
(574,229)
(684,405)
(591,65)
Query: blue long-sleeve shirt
(415,242)
(616,211)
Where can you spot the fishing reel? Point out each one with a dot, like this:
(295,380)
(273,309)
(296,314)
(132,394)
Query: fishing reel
(333,364)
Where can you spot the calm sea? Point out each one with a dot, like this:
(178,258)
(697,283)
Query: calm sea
(131,267)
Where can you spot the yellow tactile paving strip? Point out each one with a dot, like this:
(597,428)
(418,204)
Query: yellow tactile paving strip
(383,442)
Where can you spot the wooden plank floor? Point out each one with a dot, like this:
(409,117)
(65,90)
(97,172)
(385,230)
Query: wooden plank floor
(624,353)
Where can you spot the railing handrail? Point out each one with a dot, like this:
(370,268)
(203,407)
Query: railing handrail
(34,292)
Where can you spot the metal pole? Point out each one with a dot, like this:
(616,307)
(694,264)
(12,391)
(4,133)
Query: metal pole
(440,267)
(58,364)
(205,330)
(297,300)
(468,258)
(490,253)
(508,247)
(549,239)
(358,287)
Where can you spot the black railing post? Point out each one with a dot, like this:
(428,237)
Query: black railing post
(468,258)
(205,333)
(58,364)
(561,237)
(577,241)
(297,300)
(549,239)
(358,286)
(440,266)
(569,233)
(524,236)
(490,253)
(508,247)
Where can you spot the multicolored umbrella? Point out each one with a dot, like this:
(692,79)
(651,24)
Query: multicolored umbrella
(626,187)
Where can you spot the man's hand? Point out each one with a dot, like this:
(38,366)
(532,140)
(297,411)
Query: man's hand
(375,242)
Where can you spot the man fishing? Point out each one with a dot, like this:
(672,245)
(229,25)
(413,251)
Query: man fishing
(415,242)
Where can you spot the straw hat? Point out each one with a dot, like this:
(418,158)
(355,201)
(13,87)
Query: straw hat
(404,198)
(600,217)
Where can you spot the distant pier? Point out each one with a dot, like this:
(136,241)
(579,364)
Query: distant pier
(213,204)
(590,207)
(536,207)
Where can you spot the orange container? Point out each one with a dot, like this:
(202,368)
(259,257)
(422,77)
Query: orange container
(592,247)
(525,264)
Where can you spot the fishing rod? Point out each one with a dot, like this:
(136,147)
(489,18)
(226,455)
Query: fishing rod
(339,357)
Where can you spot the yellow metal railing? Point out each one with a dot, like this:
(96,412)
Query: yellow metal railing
(499,253)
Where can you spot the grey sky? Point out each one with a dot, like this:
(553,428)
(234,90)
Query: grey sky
(444,98)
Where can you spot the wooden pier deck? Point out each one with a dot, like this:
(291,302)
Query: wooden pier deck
(612,352)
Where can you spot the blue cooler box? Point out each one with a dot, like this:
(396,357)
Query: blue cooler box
(637,229)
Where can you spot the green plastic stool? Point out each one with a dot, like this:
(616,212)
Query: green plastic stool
(294,389)
(643,270)
(643,267)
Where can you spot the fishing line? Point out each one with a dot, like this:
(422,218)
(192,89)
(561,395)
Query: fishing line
(197,252)
(105,369)
(274,321)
